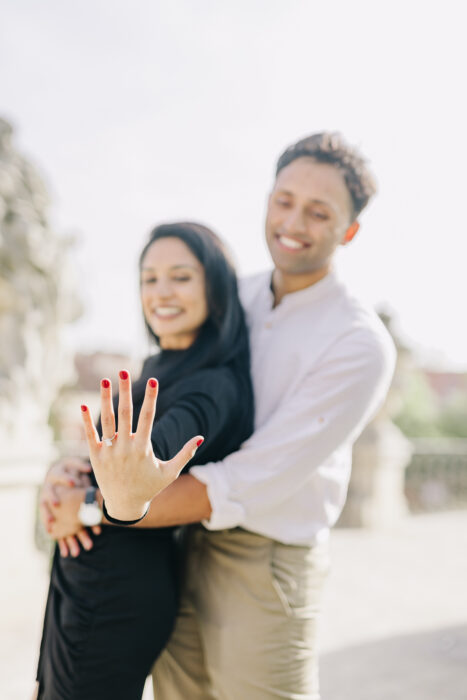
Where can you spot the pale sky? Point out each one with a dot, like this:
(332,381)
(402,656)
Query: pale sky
(146,111)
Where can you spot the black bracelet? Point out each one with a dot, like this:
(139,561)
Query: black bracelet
(115,521)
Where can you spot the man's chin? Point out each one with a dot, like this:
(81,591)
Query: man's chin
(295,268)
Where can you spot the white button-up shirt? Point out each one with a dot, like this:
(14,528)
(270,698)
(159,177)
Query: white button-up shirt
(321,365)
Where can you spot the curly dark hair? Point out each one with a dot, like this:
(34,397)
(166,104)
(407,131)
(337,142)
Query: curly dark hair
(330,147)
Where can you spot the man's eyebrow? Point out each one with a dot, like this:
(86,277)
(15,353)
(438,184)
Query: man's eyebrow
(312,201)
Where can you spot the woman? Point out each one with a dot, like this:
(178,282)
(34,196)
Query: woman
(111,610)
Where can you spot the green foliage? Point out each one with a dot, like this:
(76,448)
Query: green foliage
(452,420)
(423,415)
(420,413)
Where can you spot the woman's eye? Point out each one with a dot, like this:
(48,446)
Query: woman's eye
(319,215)
(182,279)
(149,280)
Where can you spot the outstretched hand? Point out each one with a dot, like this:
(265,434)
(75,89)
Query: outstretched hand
(127,471)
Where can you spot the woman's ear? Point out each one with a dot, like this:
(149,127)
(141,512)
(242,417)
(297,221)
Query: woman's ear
(351,232)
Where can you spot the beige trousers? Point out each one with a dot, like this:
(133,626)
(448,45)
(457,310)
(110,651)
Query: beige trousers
(247,625)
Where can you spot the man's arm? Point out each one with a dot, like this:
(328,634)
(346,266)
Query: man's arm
(185,501)
(326,412)
(330,408)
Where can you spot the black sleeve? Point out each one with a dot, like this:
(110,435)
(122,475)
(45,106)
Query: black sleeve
(205,404)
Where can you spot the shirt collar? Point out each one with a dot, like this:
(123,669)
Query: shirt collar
(306,296)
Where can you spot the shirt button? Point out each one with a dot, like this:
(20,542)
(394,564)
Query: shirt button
(268,324)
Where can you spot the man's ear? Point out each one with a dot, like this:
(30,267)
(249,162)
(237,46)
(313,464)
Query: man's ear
(351,232)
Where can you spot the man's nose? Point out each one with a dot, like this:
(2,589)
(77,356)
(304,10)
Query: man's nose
(294,222)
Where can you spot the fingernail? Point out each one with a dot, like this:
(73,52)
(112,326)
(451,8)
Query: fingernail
(152,383)
(84,408)
(123,374)
(105,383)
(71,482)
(198,443)
(56,503)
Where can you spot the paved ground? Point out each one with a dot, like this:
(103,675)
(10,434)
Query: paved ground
(394,625)
(395,622)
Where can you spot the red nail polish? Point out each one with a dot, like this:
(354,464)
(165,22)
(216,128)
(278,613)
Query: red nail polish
(152,383)
(199,442)
(84,408)
(123,374)
(105,383)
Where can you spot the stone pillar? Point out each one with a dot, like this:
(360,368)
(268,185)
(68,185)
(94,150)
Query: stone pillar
(381,454)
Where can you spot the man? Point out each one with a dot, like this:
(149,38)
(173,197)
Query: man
(321,366)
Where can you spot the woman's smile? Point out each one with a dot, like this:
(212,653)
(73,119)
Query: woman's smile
(167,312)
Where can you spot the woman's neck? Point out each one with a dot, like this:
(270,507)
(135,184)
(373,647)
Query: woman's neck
(177,342)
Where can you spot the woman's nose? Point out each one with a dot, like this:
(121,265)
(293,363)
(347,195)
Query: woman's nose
(163,289)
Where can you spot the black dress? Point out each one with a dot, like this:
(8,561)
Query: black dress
(111,610)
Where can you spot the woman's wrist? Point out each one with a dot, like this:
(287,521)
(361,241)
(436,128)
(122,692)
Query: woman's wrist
(126,516)
(109,519)
(125,511)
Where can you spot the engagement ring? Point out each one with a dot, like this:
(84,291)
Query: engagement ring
(108,441)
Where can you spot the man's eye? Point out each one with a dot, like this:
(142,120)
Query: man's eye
(149,280)
(319,215)
(283,202)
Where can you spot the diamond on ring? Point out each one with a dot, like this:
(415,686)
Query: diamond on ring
(108,441)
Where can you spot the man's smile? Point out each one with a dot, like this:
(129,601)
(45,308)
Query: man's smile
(291,243)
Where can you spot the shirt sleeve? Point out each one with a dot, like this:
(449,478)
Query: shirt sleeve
(330,409)
(203,407)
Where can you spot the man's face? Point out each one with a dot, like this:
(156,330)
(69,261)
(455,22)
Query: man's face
(309,214)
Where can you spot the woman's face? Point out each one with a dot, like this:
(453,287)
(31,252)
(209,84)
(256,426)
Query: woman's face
(173,293)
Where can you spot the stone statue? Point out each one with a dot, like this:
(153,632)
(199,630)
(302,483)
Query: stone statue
(36,301)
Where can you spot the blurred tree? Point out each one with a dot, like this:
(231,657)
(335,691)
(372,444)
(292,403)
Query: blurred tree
(37,299)
(452,420)
(420,412)
(423,414)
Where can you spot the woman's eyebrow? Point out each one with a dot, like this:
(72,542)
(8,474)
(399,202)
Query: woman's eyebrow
(173,267)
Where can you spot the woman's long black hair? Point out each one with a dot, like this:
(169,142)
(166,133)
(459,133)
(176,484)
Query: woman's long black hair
(223,338)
